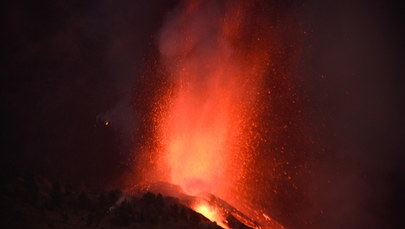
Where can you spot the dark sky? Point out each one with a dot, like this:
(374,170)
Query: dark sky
(70,65)
(352,72)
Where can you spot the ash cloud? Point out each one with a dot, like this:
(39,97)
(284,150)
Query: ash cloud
(200,25)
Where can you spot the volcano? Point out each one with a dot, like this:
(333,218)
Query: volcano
(222,67)
(210,206)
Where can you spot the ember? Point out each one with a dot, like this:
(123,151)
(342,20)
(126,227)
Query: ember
(203,135)
(215,55)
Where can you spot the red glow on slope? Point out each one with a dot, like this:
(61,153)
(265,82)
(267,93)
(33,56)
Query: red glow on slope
(210,212)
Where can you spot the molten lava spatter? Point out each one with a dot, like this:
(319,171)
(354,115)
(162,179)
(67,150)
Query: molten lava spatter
(215,56)
(210,212)
(204,133)
(211,206)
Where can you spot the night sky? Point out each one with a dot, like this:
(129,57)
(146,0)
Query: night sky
(70,66)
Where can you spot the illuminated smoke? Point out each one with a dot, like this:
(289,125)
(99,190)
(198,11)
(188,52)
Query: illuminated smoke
(205,121)
(204,132)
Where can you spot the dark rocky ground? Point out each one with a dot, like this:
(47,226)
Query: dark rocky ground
(35,202)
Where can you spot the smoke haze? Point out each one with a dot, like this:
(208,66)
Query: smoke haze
(71,66)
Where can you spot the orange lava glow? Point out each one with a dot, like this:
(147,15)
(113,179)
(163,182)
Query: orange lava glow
(214,59)
(210,212)
(204,133)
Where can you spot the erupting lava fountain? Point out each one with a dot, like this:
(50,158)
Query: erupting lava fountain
(214,57)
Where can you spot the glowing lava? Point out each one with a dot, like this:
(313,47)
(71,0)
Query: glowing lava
(214,56)
(210,212)
(204,133)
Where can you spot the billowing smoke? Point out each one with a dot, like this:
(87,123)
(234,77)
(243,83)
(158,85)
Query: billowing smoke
(326,149)
(324,109)
(226,68)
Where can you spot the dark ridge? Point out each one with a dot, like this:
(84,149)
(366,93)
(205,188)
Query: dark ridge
(35,202)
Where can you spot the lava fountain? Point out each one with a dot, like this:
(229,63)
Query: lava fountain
(214,56)
(204,133)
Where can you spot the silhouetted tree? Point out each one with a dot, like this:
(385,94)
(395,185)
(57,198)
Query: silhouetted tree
(148,199)
(84,200)
(102,201)
(56,195)
(113,196)
(160,202)
(90,219)
(174,212)
(124,214)
(69,189)
(31,191)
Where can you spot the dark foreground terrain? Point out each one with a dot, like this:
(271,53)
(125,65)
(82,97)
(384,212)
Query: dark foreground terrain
(34,202)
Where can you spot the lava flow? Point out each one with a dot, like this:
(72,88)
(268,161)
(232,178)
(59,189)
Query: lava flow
(210,212)
(215,56)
